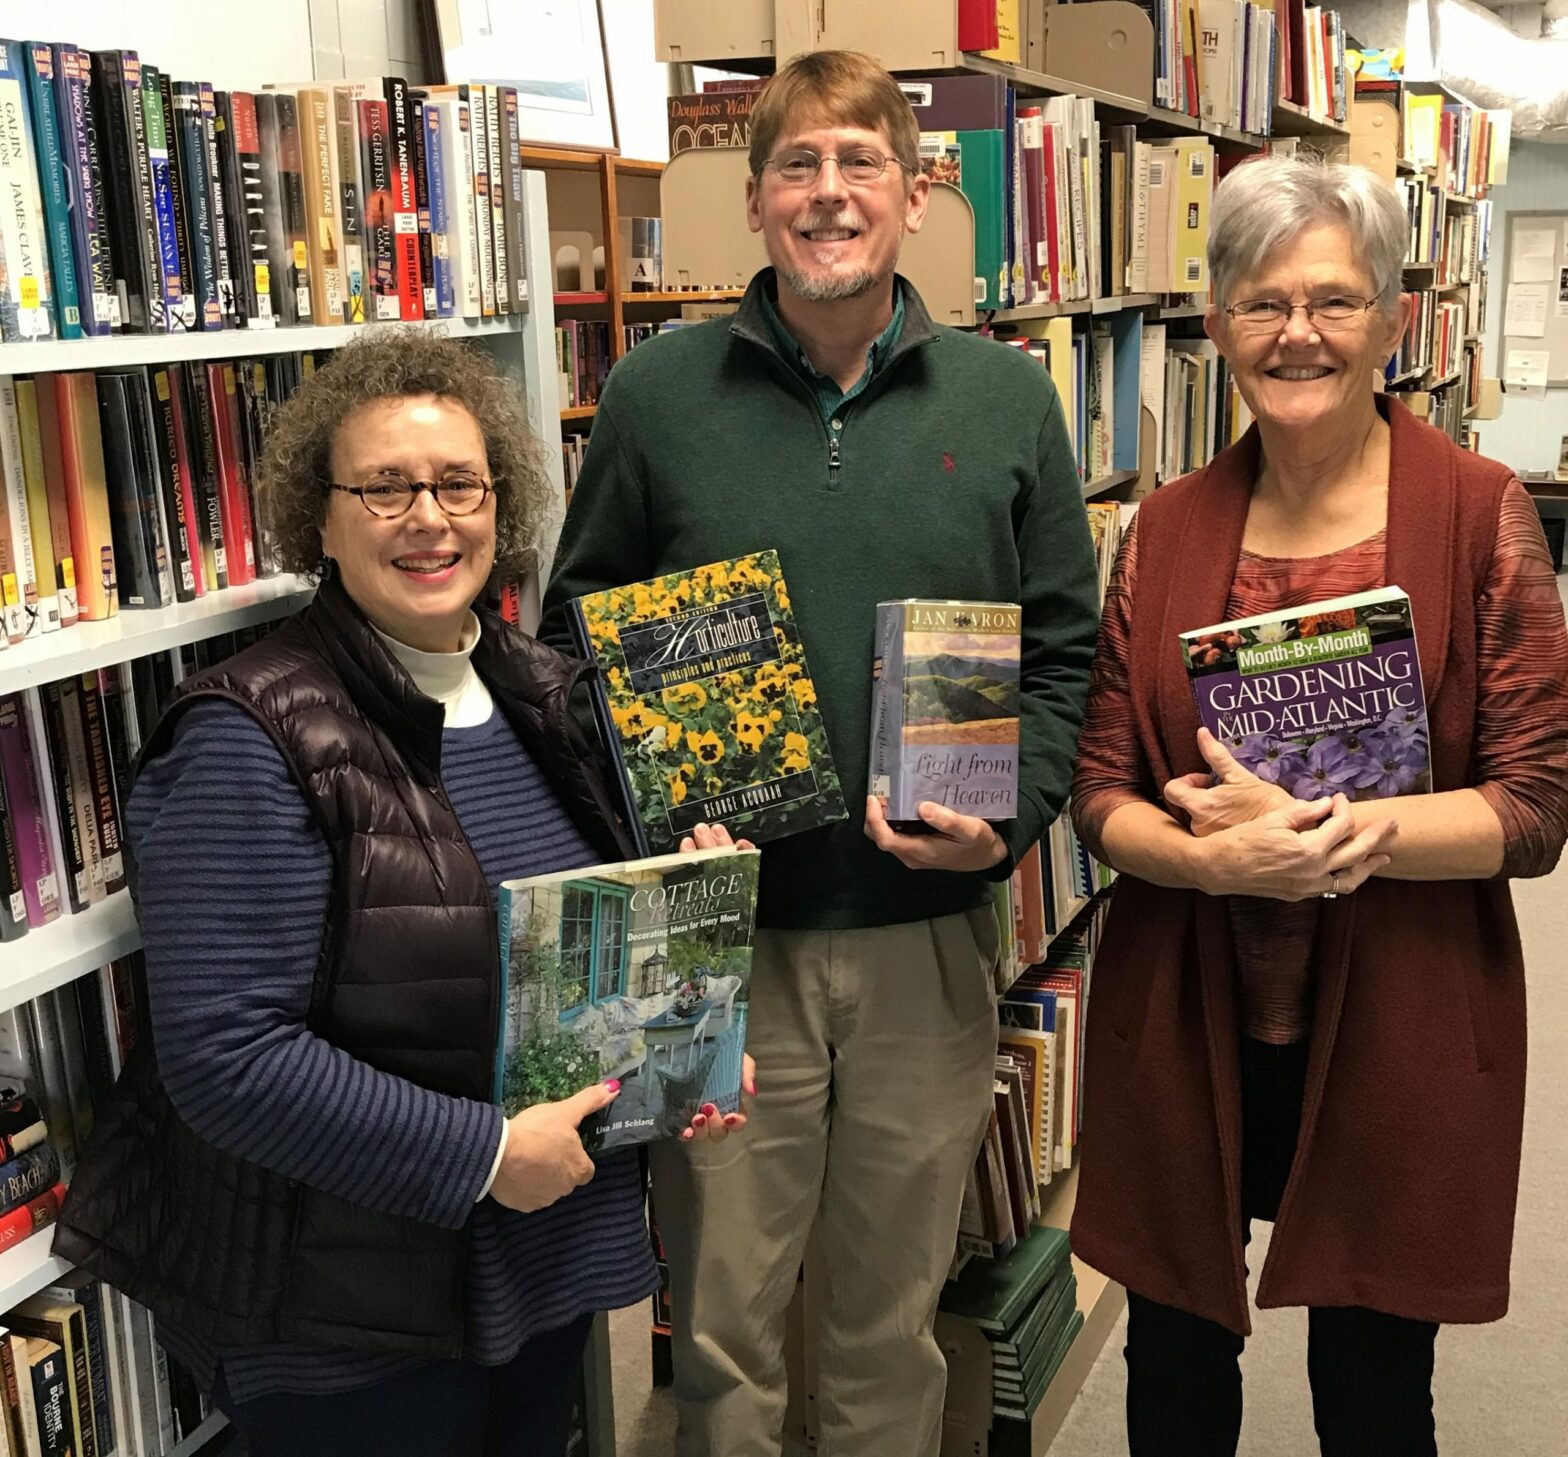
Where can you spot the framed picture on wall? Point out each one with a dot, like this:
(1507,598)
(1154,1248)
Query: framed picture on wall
(552,51)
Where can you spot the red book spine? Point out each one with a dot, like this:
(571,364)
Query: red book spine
(233,500)
(1327,49)
(1052,272)
(977,25)
(405,202)
(31,1217)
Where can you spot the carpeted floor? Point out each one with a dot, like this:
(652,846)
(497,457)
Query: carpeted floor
(1500,1389)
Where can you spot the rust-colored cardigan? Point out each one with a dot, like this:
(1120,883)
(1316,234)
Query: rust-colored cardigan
(1406,1175)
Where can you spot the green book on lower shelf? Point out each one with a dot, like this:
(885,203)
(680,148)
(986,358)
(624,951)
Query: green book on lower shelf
(1025,1410)
(996,1294)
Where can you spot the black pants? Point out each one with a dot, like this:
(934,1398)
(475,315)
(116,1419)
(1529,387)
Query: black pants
(444,1409)
(1370,1373)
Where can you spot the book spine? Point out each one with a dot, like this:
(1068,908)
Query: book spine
(295,222)
(19,1372)
(194,192)
(631,812)
(514,215)
(73,735)
(434,153)
(346,124)
(405,210)
(178,302)
(376,177)
(427,243)
(259,264)
(479,145)
(171,467)
(109,108)
(195,410)
(90,233)
(220,202)
(21,576)
(13,904)
(51,531)
(48,780)
(82,1382)
(40,889)
(47,1373)
(238,528)
(105,805)
(135,571)
(24,1178)
(11,1417)
(27,303)
(494,117)
(316,124)
(457,165)
(53,172)
(101,1356)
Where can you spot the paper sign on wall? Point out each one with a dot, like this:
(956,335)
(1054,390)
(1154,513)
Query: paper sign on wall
(1535,252)
(1526,317)
(1525,372)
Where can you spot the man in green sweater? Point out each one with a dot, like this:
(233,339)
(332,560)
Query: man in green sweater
(883,457)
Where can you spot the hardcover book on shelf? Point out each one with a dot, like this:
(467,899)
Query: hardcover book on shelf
(944,709)
(706,700)
(1320,699)
(639,971)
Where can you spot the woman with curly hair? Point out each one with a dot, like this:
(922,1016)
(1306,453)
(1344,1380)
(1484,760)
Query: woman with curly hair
(302,1173)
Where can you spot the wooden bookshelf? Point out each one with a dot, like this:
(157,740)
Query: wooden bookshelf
(580,412)
(685,296)
(581,300)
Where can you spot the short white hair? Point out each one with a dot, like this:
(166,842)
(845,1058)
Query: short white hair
(1268,202)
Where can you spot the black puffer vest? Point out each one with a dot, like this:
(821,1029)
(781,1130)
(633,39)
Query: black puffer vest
(408,980)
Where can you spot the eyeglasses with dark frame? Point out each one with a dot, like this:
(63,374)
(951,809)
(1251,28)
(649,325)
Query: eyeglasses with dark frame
(388,496)
(1332,311)
(858,166)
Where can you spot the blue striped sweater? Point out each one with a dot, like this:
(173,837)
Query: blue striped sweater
(232,893)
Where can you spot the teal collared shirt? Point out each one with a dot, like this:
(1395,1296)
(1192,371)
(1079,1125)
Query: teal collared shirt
(830,398)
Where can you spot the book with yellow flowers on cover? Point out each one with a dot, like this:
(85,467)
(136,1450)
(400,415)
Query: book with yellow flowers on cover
(706,700)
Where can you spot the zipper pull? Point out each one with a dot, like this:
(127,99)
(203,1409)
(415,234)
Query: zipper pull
(835,457)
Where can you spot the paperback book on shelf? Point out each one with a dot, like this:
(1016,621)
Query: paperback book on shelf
(944,708)
(707,703)
(639,971)
(1320,699)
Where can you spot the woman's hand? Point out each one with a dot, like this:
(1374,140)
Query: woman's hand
(1294,853)
(712,837)
(544,1158)
(1239,797)
(708,1124)
(961,842)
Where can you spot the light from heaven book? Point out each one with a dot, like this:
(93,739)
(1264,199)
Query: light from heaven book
(944,709)
(1322,699)
(639,971)
(706,701)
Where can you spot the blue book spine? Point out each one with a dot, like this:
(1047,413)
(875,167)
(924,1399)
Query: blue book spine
(440,215)
(84,191)
(163,199)
(192,153)
(26,281)
(27,1176)
(42,84)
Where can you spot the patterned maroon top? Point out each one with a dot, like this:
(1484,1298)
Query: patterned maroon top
(1521,721)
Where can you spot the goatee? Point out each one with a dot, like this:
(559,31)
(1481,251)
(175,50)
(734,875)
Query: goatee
(835,286)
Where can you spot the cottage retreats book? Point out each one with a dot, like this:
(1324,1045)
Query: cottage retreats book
(705,698)
(639,971)
(1321,699)
(944,709)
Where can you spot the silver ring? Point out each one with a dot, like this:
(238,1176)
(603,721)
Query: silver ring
(1332,893)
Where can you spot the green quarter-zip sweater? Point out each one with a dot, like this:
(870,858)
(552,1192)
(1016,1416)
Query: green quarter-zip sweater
(948,474)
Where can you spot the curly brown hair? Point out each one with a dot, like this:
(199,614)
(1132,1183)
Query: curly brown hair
(391,362)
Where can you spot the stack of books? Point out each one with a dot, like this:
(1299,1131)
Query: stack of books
(1027,1307)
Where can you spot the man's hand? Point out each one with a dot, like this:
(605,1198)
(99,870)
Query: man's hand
(961,842)
(712,837)
(544,1158)
(709,1124)
(1239,798)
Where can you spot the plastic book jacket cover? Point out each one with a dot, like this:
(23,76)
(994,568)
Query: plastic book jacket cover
(706,702)
(1322,699)
(944,709)
(639,971)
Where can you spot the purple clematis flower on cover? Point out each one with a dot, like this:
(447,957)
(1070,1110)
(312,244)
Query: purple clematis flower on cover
(1409,723)
(1393,764)
(1330,768)
(1270,757)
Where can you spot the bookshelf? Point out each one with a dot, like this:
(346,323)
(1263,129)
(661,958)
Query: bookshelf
(68,947)
(200,1437)
(29,1265)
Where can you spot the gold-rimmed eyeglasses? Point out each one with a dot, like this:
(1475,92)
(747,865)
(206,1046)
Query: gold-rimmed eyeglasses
(858,166)
(1332,311)
(459,493)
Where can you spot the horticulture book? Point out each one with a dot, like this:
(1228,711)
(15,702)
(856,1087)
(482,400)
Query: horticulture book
(707,704)
(639,971)
(944,709)
(1322,699)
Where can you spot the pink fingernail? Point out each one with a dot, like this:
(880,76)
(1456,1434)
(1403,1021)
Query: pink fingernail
(613,1084)
(698,1121)
(731,1119)
(687,1134)
(709,1109)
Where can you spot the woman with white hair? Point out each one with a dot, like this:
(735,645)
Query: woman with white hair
(1308,1010)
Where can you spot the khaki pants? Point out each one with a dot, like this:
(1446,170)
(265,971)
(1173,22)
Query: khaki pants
(875,1051)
